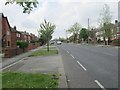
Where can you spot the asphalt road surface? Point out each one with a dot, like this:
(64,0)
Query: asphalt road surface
(89,66)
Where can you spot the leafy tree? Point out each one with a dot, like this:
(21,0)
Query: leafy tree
(84,34)
(92,35)
(75,31)
(104,22)
(22,44)
(46,30)
(27,5)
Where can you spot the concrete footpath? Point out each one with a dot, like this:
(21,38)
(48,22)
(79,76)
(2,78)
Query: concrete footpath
(8,61)
(39,64)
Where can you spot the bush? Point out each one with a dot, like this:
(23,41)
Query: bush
(116,42)
(22,44)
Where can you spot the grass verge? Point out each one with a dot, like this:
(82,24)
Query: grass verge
(44,52)
(28,80)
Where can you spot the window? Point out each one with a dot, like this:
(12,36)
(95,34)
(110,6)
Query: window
(18,35)
(8,43)
(8,33)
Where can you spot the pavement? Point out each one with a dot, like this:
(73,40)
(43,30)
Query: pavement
(40,64)
(88,66)
(7,61)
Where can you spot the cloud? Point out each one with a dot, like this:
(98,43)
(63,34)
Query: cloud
(63,13)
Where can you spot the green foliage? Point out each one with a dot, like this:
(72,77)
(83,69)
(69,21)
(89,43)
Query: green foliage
(44,52)
(22,44)
(27,5)
(28,80)
(74,29)
(34,41)
(116,41)
(84,33)
(107,29)
(46,30)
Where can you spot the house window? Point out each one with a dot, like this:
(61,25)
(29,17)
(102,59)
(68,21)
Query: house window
(18,35)
(8,43)
(8,33)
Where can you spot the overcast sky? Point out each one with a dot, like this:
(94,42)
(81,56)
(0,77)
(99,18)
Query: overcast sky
(63,13)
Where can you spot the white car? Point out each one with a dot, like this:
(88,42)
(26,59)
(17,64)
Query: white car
(59,42)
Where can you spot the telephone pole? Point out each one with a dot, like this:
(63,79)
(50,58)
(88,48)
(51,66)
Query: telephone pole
(88,28)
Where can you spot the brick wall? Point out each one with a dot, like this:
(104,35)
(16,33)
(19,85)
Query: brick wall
(6,30)
(10,52)
(13,39)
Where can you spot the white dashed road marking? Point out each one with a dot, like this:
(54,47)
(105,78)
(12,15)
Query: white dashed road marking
(81,65)
(67,52)
(72,56)
(101,86)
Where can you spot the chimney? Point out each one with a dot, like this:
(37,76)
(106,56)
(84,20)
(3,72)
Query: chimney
(116,21)
(15,27)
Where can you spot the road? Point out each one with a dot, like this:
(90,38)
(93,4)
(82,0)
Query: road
(88,66)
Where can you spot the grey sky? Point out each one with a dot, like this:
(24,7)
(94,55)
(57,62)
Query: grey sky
(63,13)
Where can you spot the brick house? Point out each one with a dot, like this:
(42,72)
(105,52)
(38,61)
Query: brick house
(9,36)
(6,29)
(15,35)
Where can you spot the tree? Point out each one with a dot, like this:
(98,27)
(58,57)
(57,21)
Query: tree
(84,34)
(75,31)
(104,21)
(92,35)
(46,30)
(22,44)
(27,5)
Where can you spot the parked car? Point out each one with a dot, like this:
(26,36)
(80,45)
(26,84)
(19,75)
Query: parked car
(59,42)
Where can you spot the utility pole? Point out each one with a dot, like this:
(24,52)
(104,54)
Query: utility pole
(88,28)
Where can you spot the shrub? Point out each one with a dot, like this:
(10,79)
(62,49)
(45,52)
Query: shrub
(22,44)
(116,42)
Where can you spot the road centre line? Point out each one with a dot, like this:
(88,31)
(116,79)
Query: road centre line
(72,56)
(81,65)
(100,85)
(107,54)
(11,65)
(67,52)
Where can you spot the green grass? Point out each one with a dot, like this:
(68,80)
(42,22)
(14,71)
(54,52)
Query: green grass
(28,80)
(44,52)
(51,47)
(0,80)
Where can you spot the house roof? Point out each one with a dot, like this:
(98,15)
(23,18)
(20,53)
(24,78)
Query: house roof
(2,15)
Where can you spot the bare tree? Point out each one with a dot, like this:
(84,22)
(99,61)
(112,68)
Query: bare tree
(74,30)
(104,22)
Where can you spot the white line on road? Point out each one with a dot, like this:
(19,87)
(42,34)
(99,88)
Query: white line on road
(100,85)
(81,65)
(108,54)
(11,65)
(67,52)
(72,56)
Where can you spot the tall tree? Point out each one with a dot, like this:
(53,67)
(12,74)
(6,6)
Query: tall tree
(74,30)
(84,34)
(27,5)
(104,21)
(46,30)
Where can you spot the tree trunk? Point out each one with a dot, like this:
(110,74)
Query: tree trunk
(109,40)
(48,46)
(105,41)
(23,50)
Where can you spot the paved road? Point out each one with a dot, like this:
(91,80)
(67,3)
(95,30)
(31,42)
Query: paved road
(90,66)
